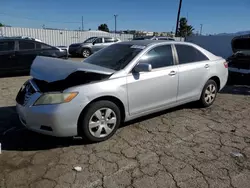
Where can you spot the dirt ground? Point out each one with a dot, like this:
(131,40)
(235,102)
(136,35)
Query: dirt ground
(184,147)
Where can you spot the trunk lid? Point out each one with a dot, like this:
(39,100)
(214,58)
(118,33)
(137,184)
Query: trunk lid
(53,69)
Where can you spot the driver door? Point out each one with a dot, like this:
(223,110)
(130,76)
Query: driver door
(148,91)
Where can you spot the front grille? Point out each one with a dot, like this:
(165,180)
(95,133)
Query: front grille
(25,93)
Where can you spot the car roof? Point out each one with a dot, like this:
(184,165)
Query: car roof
(14,38)
(151,42)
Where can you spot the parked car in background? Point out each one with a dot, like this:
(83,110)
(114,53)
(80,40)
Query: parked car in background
(91,45)
(65,48)
(153,38)
(17,54)
(119,83)
(239,62)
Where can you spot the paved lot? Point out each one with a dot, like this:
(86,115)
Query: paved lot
(185,147)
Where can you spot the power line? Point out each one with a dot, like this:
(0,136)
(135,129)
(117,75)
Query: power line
(52,21)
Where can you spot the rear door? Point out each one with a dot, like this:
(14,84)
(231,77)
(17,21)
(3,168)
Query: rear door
(26,53)
(7,56)
(194,71)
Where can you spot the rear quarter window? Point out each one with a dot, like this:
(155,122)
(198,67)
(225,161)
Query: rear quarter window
(189,54)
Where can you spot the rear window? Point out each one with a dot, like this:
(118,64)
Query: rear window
(7,46)
(115,57)
(42,46)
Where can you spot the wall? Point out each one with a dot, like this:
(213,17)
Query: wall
(218,45)
(58,37)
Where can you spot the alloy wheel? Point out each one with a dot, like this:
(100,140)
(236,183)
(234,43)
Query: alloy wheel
(85,53)
(102,122)
(210,93)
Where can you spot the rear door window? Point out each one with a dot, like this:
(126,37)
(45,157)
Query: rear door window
(189,54)
(6,46)
(26,45)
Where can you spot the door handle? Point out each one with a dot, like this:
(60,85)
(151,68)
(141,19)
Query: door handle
(206,66)
(172,73)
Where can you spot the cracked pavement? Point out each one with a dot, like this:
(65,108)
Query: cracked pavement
(184,147)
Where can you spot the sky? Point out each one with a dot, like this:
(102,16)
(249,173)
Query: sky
(216,16)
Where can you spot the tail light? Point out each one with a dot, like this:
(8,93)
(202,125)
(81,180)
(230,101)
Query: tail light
(225,64)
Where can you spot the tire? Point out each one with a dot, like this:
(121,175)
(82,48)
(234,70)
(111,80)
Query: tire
(95,113)
(209,93)
(86,53)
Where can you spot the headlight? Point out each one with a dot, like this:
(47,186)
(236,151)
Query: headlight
(55,98)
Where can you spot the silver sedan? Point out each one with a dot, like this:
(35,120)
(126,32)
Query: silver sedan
(119,83)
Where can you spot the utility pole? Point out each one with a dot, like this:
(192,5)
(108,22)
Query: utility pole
(82,23)
(115,23)
(178,18)
(201,29)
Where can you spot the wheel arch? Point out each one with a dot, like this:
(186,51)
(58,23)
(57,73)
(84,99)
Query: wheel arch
(86,47)
(110,98)
(217,81)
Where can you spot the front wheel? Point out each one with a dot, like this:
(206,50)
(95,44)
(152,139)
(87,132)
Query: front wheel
(100,121)
(209,93)
(86,53)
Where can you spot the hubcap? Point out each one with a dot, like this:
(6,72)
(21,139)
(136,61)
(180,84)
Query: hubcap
(102,122)
(85,53)
(210,93)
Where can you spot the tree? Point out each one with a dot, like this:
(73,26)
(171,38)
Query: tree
(1,25)
(103,27)
(184,29)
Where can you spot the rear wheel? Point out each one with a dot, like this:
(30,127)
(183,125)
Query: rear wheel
(100,121)
(86,52)
(209,93)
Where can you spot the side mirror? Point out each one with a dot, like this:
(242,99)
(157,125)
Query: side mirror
(93,43)
(143,67)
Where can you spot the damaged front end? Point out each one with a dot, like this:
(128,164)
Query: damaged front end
(74,79)
(52,74)
(239,62)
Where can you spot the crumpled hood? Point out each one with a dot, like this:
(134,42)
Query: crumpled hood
(54,69)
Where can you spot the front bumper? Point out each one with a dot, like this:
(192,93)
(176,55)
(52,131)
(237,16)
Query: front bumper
(58,120)
(49,119)
(74,50)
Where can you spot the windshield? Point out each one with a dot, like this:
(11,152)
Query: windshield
(115,56)
(90,40)
(143,38)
